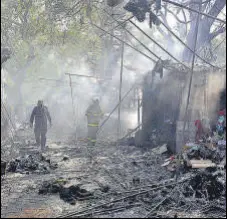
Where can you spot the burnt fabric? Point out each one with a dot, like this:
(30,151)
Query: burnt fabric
(94,115)
(40,115)
(199,130)
(138,8)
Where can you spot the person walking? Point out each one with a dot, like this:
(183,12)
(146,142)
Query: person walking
(40,115)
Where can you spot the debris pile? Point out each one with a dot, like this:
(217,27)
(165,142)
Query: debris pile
(164,199)
(68,194)
(31,163)
(197,188)
(205,185)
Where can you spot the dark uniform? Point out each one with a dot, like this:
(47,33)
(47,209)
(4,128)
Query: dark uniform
(40,113)
(94,115)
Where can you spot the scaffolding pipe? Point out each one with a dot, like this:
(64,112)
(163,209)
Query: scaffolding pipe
(187,46)
(120,88)
(155,42)
(125,43)
(123,26)
(122,99)
(73,105)
(138,105)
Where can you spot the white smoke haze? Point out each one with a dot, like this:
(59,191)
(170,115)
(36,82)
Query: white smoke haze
(54,89)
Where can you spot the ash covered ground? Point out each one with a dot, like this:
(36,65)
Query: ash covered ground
(123,182)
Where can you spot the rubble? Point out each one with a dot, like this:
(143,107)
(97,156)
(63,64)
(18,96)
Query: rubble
(68,194)
(131,181)
(31,163)
(205,185)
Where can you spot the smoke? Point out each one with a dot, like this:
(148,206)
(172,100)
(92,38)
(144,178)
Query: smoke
(54,88)
(45,79)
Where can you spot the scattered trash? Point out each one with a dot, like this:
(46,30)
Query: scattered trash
(201,163)
(222,142)
(160,150)
(166,163)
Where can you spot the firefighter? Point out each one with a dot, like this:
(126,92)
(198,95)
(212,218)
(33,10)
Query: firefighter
(41,114)
(94,115)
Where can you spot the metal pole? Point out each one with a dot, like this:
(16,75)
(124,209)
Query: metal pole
(114,109)
(192,71)
(120,88)
(138,103)
(125,43)
(73,106)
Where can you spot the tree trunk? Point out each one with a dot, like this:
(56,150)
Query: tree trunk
(204,32)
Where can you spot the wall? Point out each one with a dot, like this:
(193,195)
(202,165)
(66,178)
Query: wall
(160,106)
(165,99)
(203,103)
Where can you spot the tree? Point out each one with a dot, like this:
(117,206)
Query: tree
(205,33)
(36,29)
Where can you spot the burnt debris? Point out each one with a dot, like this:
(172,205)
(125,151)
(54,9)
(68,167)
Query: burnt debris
(138,8)
(31,163)
(69,194)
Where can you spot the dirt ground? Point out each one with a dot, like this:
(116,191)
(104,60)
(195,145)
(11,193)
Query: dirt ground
(115,166)
(124,169)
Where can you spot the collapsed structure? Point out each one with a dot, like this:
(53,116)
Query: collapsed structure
(164,116)
(164,105)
